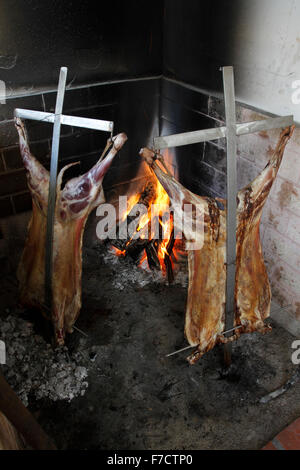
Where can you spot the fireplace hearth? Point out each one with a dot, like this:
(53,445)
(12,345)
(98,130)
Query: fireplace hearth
(150,305)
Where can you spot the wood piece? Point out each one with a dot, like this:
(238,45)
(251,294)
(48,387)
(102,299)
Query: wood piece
(152,256)
(135,246)
(22,419)
(9,436)
(167,257)
(146,198)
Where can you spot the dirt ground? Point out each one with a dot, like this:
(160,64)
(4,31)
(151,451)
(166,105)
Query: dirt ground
(137,398)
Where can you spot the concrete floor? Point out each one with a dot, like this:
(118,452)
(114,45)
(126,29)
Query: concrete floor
(139,399)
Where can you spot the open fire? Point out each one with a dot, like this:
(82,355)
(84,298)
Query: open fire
(151,241)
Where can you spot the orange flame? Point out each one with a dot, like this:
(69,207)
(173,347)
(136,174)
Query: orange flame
(161,201)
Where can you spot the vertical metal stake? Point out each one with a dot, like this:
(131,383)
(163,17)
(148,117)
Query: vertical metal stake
(230,114)
(52,185)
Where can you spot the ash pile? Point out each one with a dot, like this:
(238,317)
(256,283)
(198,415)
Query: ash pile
(126,271)
(34,370)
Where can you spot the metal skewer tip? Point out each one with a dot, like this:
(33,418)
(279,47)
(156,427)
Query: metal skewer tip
(196,345)
(181,350)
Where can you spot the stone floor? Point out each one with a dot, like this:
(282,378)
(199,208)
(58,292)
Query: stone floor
(137,398)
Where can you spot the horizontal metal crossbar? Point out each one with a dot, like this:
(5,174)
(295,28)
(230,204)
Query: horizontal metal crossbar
(187,138)
(96,124)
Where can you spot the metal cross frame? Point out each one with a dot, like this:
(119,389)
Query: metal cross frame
(58,119)
(230,132)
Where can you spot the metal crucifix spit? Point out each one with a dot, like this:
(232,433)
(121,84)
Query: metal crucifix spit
(58,119)
(230,132)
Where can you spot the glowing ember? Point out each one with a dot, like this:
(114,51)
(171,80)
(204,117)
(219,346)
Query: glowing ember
(118,252)
(143,260)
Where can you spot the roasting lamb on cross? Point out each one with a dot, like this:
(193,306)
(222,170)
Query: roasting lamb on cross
(73,205)
(205,311)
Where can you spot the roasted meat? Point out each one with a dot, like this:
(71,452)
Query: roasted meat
(205,311)
(73,205)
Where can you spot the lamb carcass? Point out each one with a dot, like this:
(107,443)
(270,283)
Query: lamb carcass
(205,311)
(73,205)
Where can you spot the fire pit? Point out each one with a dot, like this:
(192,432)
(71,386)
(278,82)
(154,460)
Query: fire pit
(150,242)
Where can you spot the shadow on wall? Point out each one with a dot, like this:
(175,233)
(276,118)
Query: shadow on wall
(261,39)
(199,44)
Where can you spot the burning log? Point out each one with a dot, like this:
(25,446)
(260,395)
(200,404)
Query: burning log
(205,312)
(73,206)
(134,246)
(14,419)
(167,258)
(146,197)
(158,251)
(152,255)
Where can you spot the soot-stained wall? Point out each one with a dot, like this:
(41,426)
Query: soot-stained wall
(97,41)
(260,38)
(112,41)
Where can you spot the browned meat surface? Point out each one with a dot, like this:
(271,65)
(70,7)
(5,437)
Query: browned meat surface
(205,311)
(74,203)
